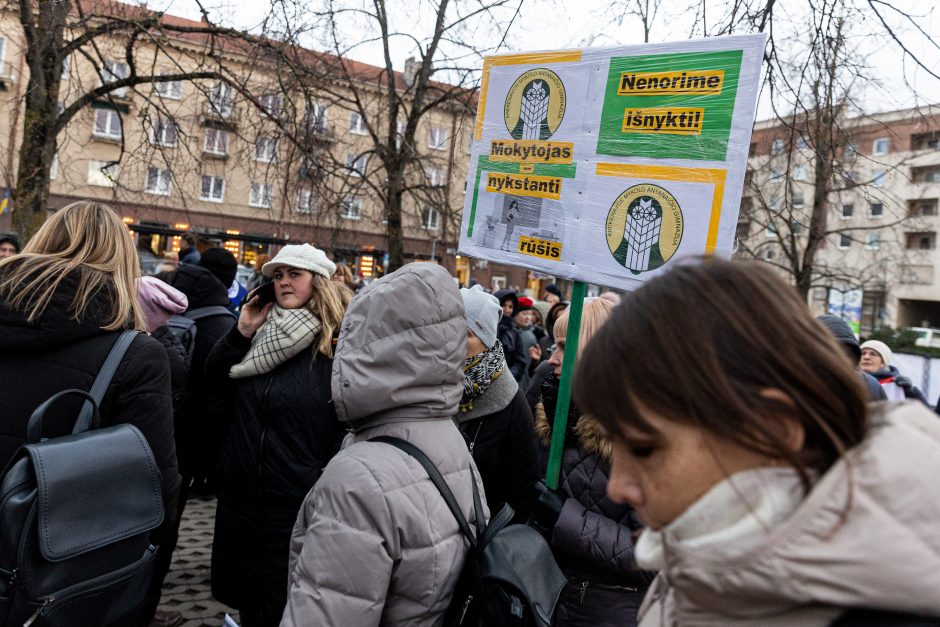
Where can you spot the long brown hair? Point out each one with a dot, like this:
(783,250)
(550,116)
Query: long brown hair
(85,237)
(327,305)
(703,343)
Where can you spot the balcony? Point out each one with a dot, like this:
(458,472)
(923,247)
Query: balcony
(321,133)
(221,112)
(7,77)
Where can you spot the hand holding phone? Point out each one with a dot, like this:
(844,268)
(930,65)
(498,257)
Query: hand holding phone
(255,308)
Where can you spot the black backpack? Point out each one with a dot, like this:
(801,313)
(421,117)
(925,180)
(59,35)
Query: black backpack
(75,519)
(183,326)
(510,576)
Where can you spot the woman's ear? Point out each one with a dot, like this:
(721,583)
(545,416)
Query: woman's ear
(794,434)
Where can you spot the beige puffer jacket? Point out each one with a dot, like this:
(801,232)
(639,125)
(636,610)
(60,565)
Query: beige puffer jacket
(884,556)
(374,542)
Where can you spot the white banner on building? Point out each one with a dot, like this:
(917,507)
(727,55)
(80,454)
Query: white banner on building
(603,165)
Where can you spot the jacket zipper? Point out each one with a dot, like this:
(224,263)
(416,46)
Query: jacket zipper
(475,436)
(93,586)
(466,606)
(584,587)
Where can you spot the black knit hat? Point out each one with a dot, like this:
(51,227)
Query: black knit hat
(221,263)
(551,288)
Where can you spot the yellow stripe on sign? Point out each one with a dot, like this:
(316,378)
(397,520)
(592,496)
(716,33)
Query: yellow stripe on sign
(672,173)
(524,185)
(529,58)
(542,248)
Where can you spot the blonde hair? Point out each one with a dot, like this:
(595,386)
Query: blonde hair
(85,237)
(328,305)
(595,313)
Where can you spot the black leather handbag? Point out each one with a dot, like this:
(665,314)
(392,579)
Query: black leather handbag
(75,519)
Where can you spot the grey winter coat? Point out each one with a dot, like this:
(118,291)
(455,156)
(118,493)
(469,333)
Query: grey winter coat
(374,542)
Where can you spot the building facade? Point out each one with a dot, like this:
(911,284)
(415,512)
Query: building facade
(249,167)
(879,254)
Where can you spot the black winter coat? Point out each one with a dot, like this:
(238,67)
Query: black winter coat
(504,448)
(509,334)
(283,434)
(57,352)
(176,355)
(593,537)
(200,420)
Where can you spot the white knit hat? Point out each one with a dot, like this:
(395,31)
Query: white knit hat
(483,312)
(881,348)
(303,256)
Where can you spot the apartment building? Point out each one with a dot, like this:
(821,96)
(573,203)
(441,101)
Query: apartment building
(249,169)
(881,220)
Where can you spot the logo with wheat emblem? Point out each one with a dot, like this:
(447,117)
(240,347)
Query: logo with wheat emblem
(535,105)
(644,228)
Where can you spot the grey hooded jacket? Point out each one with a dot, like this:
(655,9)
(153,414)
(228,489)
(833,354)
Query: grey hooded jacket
(374,542)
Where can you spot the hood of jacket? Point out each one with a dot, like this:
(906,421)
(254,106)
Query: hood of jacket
(841,330)
(56,326)
(199,285)
(866,536)
(401,349)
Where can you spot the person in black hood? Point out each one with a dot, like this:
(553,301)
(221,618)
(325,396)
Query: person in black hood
(510,336)
(223,266)
(843,333)
(64,301)
(9,245)
(200,420)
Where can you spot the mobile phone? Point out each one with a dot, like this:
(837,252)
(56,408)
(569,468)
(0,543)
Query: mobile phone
(264,292)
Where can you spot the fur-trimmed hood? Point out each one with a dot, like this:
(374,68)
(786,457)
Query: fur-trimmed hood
(588,430)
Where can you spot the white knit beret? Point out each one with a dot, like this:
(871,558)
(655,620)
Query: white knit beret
(881,348)
(303,256)
(483,312)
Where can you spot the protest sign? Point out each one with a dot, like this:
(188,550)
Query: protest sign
(604,165)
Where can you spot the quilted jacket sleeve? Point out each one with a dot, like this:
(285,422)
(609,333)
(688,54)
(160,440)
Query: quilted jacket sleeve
(341,550)
(594,537)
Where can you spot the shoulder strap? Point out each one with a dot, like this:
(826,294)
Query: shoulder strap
(103,380)
(440,483)
(205,312)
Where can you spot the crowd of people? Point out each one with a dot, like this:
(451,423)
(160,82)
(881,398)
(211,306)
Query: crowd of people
(726,458)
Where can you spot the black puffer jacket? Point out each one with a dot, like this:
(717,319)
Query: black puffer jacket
(176,355)
(200,420)
(57,352)
(283,434)
(593,537)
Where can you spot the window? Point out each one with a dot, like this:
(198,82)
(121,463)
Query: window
(115,71)
(434,176)
(222,100)
(921,241)
(437,138)
(265,149)
(853,178)
(848,210)
(272,104)
(66,66)
(102,173)
(357,124)
(929,174)
(309,168)
(351,209)
(212,188)
(796,198)
(775,173)
(850,152)
(770,231)
(430,218)
(799,173)
(769,254)
(876,209)
(926,141)
(776,147)
(399,133)
(107,124)
(158,181)
(922,208)
(216,141)
(54,167)
(260,195)
(164,132)
(845,241)
(874,241)
(356,164)
(316,118)
(305,201)
(796,228)
(801,143)
(172,90)
(880,146)
(878,178)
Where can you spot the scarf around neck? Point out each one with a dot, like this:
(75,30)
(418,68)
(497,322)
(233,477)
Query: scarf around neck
(479,372)
(285,333)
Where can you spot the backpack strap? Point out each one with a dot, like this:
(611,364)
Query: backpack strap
(207,312)
(441,484)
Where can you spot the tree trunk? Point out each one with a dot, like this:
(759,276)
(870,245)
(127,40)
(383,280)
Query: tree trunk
(396,253)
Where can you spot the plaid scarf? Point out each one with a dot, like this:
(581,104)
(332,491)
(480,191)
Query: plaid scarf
(479,372)
(285,333)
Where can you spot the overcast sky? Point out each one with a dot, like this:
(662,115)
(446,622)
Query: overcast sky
(555,24)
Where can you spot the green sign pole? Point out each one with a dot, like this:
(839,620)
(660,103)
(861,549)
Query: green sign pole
(560,425)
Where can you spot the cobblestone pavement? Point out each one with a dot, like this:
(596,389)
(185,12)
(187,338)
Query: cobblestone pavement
(186,589)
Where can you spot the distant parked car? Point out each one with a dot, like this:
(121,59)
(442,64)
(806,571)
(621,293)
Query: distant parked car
(926,337)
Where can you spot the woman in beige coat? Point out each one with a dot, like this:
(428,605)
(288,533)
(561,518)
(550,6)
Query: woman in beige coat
(773,495)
